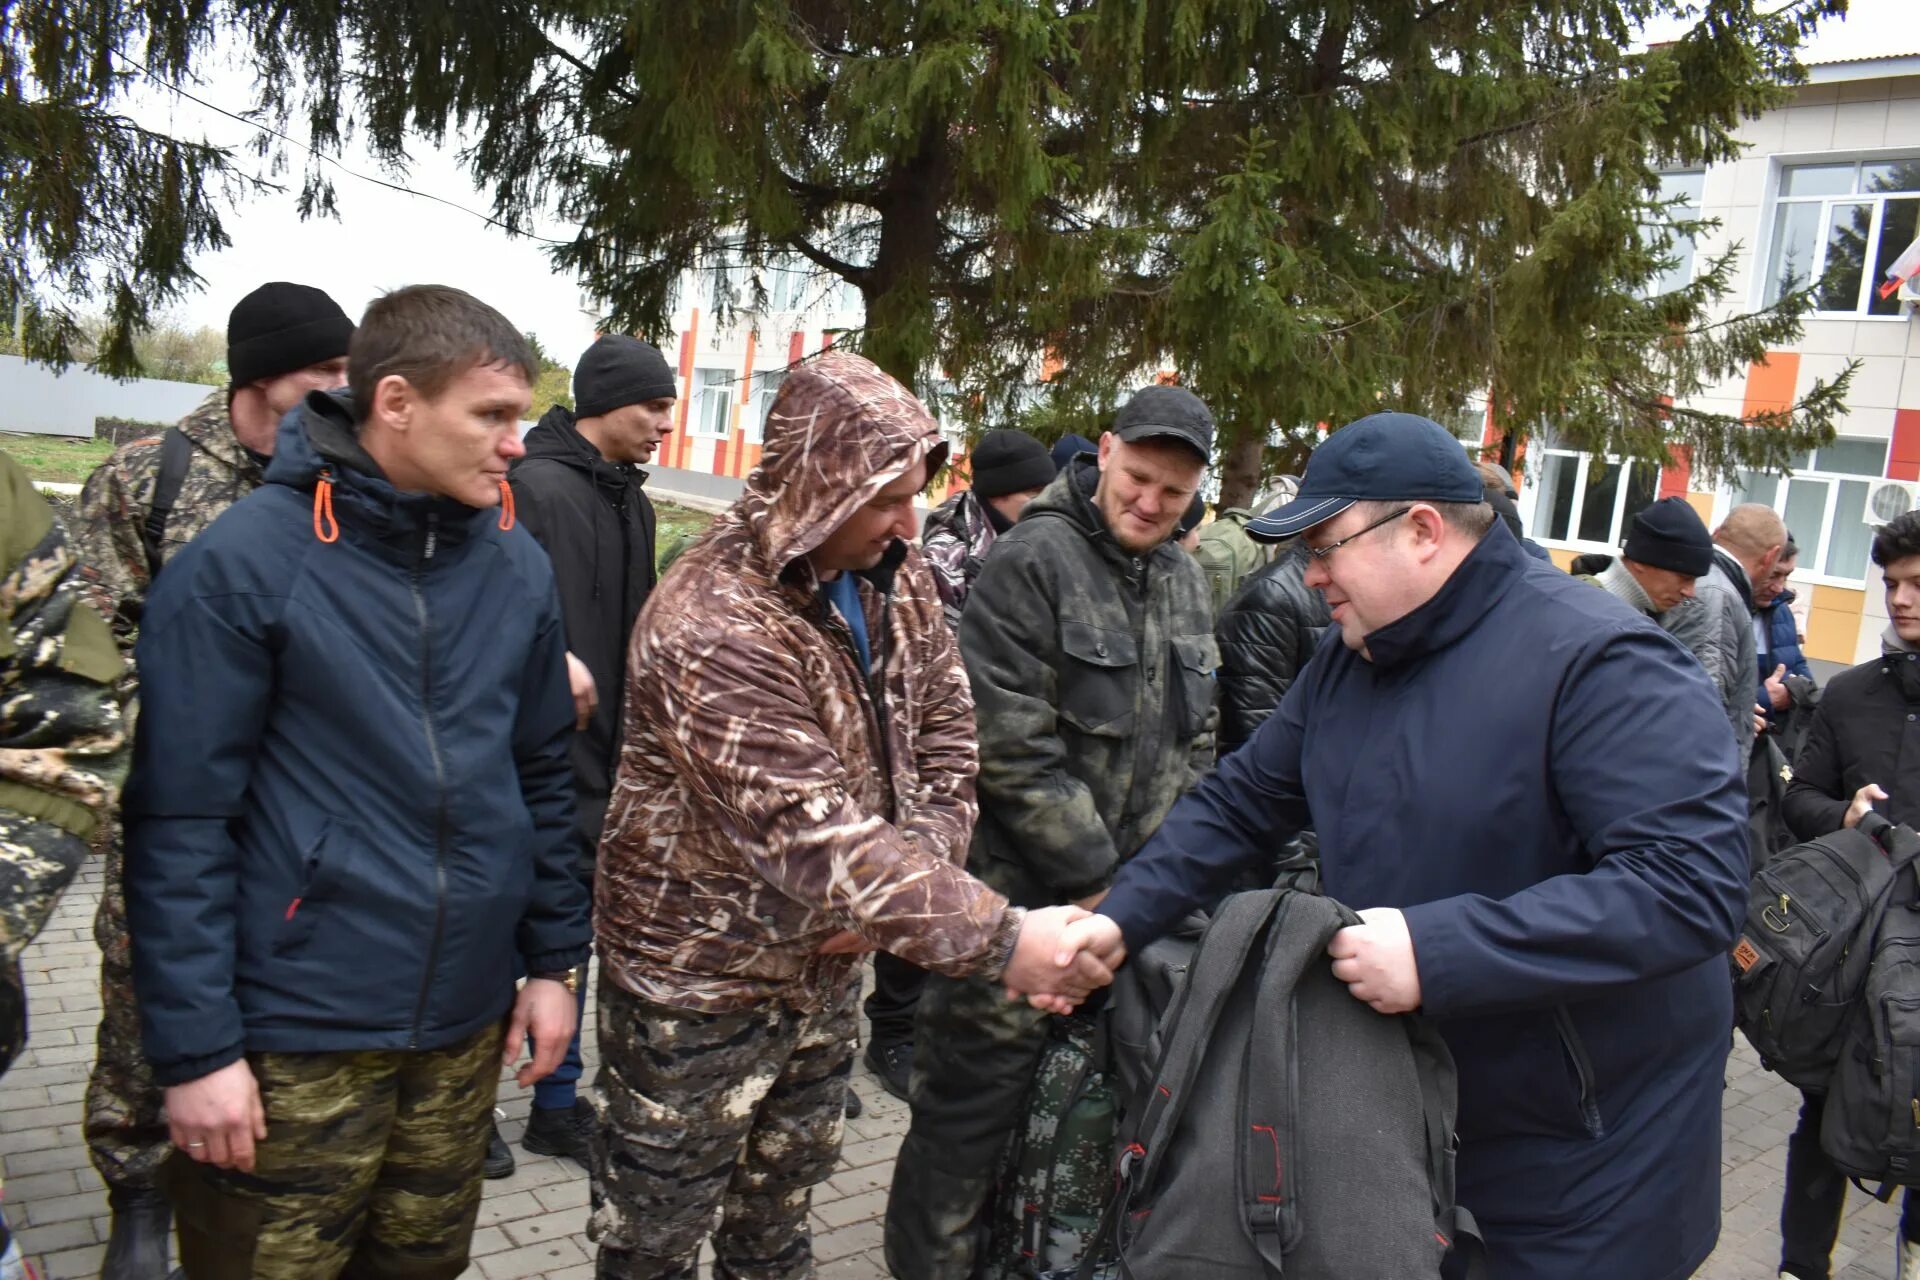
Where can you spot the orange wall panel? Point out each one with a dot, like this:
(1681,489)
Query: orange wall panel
(1771,383)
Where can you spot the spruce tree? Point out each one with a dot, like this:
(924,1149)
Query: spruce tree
(1306,210)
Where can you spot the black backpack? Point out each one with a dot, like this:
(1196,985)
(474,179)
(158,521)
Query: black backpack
(1870,1127)
(1801,961)
(1286,1128)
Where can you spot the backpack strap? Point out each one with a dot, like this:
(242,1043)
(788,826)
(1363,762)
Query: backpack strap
(176,455)
(1454,1225)
(1269,1199)
(1214,974)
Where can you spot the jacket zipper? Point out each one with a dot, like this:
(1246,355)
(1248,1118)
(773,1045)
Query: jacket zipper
(439,780)
(1576,1051)
(877,691)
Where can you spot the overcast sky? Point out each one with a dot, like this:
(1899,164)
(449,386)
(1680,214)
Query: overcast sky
(384,239)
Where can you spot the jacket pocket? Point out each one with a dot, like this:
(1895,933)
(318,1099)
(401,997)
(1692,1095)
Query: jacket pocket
(1195,659)
(326,869)
(1100,680)
(1580,1065)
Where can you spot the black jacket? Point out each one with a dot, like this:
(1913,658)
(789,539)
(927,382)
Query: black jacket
(1864,730)
(1267,632)
(596,524)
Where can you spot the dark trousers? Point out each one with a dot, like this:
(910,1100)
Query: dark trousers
(894,999)
(1815,1198)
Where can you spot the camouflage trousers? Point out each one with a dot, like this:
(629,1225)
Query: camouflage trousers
(974,1055)
(124,1124)
(370,1169)
(737,1115)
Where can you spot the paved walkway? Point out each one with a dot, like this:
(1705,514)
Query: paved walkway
(532,1224)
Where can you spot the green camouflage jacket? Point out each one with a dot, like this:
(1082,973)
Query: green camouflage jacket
(118,495)
(62,750)
(1093,683)
(769,794)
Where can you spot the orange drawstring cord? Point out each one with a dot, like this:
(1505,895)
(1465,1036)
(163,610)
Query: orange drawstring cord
(506,505)
(325,527)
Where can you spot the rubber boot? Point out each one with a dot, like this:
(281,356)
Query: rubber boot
(137,1245)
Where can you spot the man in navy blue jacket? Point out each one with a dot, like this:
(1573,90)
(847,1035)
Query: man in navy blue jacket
(350,819)
(1530,791)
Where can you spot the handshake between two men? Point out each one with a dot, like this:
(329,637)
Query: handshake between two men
(1064,953)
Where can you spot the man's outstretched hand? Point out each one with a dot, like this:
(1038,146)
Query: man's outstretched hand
(1375,959)
(1061,956)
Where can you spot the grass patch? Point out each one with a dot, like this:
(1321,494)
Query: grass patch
(674,529)
(58,459)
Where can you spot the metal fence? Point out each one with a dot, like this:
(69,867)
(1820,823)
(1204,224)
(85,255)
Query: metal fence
(33,398)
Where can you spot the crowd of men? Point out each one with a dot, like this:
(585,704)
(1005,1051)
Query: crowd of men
(419,725)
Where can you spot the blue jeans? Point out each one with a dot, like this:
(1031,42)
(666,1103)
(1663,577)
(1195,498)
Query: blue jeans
(559,1089)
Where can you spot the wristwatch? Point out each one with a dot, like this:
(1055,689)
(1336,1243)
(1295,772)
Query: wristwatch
(568,978)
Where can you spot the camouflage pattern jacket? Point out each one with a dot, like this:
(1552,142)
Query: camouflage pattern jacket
(769,794)
(1093,678)
(62,749)
(119,494)
(955,541)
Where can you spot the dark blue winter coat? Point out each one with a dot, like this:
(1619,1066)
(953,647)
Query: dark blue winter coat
(1543,781)
(350,816)
(1783,644)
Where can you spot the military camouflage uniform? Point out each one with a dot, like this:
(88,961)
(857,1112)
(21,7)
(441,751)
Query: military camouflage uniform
(62,750)
(353,1177)
(125,1131)
(770,795)
(740,1110)
(1092,674)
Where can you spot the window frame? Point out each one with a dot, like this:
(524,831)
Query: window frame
(1812,569)
(727,389)
(1535,474)
(1823,232)
(766,388)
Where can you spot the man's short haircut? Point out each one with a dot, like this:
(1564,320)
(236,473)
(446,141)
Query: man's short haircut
(1495,476)
(1753,528)
(1897,539)
(1470,518)
(430,334)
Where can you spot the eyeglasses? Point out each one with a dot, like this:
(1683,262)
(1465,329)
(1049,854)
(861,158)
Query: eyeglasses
(1321,553)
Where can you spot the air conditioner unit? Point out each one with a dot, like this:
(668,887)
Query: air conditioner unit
(1889,499)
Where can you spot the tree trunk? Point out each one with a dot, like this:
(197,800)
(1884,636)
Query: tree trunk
(1240,471)
(899,329)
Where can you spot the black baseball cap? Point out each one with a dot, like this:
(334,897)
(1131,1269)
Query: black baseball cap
(1384,457)
(1166,412)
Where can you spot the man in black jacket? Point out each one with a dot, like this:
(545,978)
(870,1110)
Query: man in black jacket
(1267,632)
(1855,758)
(578,491)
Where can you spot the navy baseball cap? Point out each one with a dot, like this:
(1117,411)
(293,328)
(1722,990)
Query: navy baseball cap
(1384,457)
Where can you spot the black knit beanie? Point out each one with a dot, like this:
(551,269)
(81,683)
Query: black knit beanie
(617,371)
(283,328)
(1670,535)
(1009,461)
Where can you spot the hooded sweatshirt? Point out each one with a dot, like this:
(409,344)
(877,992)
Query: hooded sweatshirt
(770,792)
(596,524)
(350,817)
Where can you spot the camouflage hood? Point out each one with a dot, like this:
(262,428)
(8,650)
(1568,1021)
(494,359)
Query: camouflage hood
(839,432)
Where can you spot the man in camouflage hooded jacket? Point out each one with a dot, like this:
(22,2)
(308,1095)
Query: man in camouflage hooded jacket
(795,786)
(283,340)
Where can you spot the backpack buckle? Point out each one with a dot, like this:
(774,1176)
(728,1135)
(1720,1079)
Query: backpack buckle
(1264,1218)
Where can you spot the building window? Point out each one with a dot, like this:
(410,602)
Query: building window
(1839,227)
(766,387)
(1680,192)
(714,414)
(1587,501)
(1824,503)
